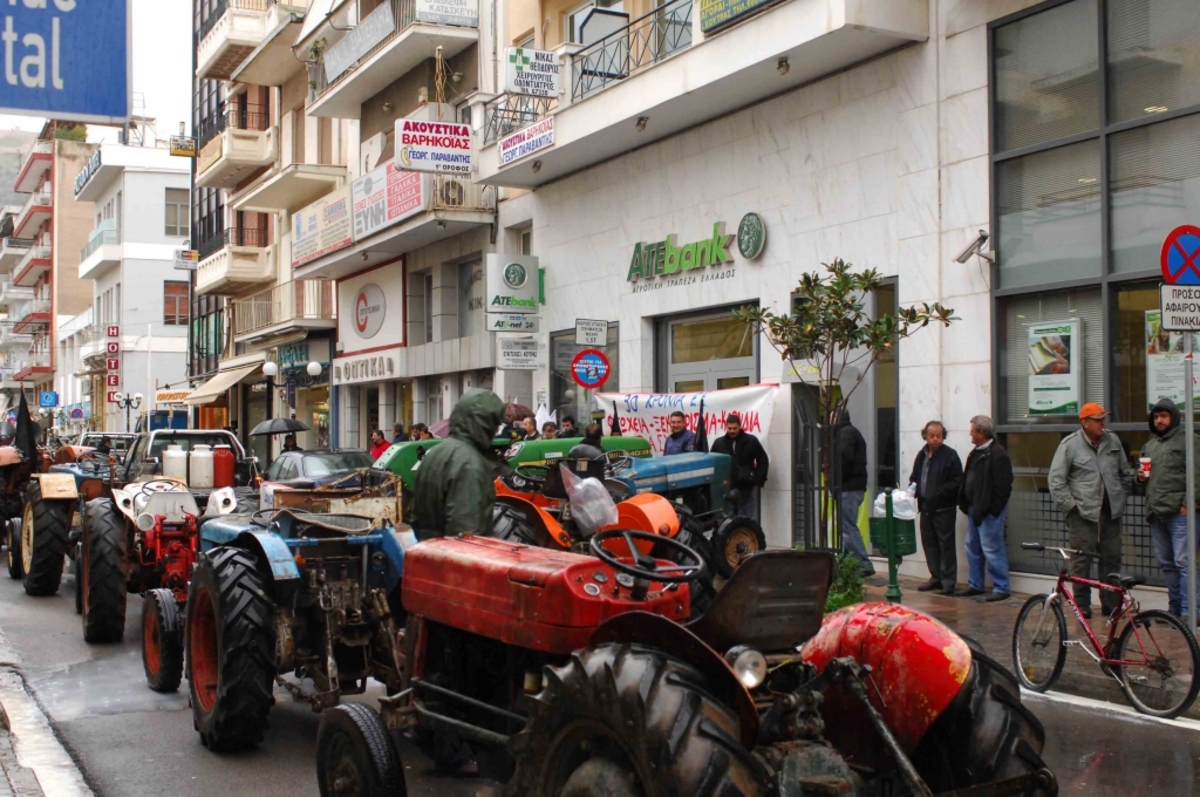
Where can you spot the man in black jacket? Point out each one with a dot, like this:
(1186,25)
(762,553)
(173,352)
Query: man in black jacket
(986,488)
(937,473)
(748,467)
(850,486)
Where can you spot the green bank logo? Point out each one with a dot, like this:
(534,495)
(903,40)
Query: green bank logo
(515,275)
(512,301)
(751,236)
(664,257)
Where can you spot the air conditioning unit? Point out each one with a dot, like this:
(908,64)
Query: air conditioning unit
(371,151)
(451,193)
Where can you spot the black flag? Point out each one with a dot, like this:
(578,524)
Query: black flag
(27,435)
(615,429)
(701,442)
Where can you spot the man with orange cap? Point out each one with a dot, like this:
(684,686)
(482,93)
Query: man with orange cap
(1090,478)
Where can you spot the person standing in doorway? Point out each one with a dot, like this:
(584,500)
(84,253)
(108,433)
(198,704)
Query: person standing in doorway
(1166,500)
(937,473)
(986,487)
(681,439)
(850,485)
(748,467)
(1089,480)
(379,444)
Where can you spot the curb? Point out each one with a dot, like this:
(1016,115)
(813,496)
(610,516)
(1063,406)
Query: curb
(31,755)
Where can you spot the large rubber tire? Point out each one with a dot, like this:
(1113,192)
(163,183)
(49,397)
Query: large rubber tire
(12,532)
(510,524)
(45,526)
(985,734)
(230,650)
(162,640)
(356,756)
(105,571)
(77,571)
(635,712)
(735,539)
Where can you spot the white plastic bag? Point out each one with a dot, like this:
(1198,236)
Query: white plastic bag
(904,505)
(591,505)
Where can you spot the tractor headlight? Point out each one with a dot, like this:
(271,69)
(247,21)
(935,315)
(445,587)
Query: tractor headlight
(145,521)
(749,665)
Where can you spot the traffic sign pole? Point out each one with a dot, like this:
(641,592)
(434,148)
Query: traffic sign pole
(1190,501)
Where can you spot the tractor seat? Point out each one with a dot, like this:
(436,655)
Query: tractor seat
(774,601)
(1128,582)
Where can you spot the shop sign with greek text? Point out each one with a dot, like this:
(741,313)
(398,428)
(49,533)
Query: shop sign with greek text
(322,227)
(516,354)
(534,73)
(462,13)
(526,141)
(384,197)
(433,146)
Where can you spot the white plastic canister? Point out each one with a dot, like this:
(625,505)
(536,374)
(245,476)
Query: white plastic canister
(201,467)
(174,463)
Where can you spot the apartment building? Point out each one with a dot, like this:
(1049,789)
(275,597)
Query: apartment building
(38,283)
(141,200)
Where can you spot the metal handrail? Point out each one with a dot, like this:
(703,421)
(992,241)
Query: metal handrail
(404,12)
(251,117)
(642,43)
(510,112)
(99,238)
(297,299)
(233,236)
(208,23)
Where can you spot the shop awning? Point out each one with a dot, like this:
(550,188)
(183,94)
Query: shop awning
(214,388)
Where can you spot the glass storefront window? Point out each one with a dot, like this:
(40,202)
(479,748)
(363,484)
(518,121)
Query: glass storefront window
(710,339)
(1049,209)
(1155,183)
(1047,76)
(1153,62)
(1148,361)
(1027,359)
(566,397)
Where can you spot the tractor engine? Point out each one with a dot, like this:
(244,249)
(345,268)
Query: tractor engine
(169,550)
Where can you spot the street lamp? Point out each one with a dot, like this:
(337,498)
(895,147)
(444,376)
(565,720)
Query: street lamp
(127,403)
(292,380)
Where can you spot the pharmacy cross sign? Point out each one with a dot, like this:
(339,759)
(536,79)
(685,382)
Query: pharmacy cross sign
(519,58)
(1180,255)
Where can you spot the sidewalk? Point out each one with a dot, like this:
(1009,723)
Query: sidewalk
(991,625)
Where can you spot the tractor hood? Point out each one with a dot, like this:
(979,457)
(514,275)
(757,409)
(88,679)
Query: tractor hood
(676,472)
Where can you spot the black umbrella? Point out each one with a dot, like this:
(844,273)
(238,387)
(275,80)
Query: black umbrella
(701,442)
(278,426)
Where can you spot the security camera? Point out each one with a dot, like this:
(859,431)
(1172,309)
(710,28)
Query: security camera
(976,248)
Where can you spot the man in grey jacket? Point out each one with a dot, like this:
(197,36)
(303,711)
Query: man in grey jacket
(1090,478)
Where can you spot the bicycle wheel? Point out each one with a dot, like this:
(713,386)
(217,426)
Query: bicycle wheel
(1039,643)
(1166,685)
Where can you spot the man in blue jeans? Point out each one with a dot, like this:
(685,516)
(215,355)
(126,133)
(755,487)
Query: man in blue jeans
(1166,497)
(986,487)
(850,452)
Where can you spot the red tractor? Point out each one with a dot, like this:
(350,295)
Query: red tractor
(583,676)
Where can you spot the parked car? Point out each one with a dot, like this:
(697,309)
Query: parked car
(120,441)
(303,470)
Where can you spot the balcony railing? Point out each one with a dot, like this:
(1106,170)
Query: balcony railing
(234,236)
(246,117)
(510,112)
(640,44)
(32,360)
(295,300)
(99,238)
(15,245)
(404,12)
(223,6)
(31,307)
(38,252)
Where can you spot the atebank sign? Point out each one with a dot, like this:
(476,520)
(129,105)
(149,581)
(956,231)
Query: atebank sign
(667,258)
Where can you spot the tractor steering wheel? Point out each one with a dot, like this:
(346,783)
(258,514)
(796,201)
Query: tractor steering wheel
(646,566)
(163,486)
(531,473)
(618,461)
(91,462)
(257,517)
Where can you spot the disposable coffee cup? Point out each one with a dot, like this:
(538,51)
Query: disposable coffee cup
(1144,467)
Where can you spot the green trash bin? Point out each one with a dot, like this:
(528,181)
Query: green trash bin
(906,536)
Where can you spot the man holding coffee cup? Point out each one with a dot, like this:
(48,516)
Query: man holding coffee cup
(1163,469)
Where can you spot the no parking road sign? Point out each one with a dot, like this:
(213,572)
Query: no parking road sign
(590,369)
(1179,295)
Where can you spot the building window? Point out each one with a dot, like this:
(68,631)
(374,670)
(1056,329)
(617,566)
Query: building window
(175,303)
(427,306)
(579,15)
(470,298)
(178,200)
(566,397)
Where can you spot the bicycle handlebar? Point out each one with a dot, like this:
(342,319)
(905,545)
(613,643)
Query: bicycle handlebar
(1067,552)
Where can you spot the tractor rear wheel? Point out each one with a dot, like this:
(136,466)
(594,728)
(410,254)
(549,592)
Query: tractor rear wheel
(162,640)
(16,568)
(628,716)
(230,650)
(356,756)
(77,571)
(735,539)
(511,525)
(45,526)
(985,734)
(104,572)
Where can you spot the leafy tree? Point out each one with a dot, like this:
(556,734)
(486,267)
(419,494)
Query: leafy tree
(829,335)
(72,133)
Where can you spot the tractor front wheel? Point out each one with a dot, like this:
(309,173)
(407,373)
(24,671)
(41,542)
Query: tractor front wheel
(45,526)
(626,720)
(230,650)
(104,573)
(162,640)
(356,756)
(16,566)
(736,539)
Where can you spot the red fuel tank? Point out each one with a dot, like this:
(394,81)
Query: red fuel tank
(224,464)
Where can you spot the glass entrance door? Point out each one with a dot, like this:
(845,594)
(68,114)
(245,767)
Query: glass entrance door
(712,352)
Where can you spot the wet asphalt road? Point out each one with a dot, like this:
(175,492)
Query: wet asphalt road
(132,742)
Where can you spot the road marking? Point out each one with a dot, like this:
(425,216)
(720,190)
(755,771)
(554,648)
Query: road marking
(1103,705)
(37,747)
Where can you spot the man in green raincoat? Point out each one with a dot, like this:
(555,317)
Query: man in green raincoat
(455,486)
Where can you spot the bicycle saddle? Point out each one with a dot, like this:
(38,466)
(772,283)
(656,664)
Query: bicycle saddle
(1127,582)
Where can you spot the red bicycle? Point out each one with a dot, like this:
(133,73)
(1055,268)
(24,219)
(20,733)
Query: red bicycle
(1154,658)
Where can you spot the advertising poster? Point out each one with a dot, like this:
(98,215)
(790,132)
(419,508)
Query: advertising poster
(648,415)
(464,13)
(433,146)
(322,227)
(1164,363)
(1055,368)
(384,197)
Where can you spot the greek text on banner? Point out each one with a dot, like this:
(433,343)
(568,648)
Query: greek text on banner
(648,415)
